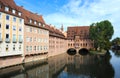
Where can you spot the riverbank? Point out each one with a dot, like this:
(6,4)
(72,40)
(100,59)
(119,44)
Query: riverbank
(18,60)
(103,52)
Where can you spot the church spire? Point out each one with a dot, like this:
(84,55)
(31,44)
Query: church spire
(62,29)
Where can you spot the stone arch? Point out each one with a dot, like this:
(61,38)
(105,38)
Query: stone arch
(83,51)
(71,51)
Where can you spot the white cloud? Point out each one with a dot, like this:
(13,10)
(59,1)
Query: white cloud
(85,12)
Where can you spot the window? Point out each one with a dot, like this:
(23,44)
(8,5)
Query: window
(7,36)
(6,9)
(30,39)
(19,13)
(13,47)
(20,28)
(43,25)
(7,17)
(30,21)
(14,37)
(35,22)
(39,24)
(35,39)
(34,48)
(0,15)
(0,25)
(20,38)
(35,30)
(20,20)
(30,48)
(38,48)
(30,29)
(14,19)
(41,47)
(27,48)
(7,26)
(14,28)
(13,11)
(27,39)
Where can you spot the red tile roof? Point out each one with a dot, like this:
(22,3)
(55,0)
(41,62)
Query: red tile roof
(9,3)
(27,15)
(55,32)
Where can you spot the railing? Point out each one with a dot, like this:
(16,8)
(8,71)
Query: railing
(7,40)
(14,40)
(20,40)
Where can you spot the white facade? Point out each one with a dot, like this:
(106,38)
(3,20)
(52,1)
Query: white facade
(11,35)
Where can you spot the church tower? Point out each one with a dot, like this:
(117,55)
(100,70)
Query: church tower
(62,29)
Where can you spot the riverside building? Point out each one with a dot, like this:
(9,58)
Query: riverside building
(78,37)
(11,33)
(57,41)
(36,37)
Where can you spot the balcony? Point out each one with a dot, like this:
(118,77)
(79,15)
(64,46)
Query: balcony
(14,41)
(7,40)
(20,40)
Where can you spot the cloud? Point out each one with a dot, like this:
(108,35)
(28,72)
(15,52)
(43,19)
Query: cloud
(85,12)
(76,12)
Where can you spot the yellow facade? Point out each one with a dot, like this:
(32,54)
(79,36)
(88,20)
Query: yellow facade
(10,31)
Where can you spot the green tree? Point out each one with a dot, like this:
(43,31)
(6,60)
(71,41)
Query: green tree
(116,41)
(101,33)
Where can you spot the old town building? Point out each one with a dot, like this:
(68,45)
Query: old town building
(78,37)
(57,41)
(11,33)
(36,37)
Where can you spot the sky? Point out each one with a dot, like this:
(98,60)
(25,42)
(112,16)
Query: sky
(75,12)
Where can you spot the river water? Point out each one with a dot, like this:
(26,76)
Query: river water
(67,66)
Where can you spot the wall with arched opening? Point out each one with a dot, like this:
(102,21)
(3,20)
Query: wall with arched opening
(83,51)
(71,51)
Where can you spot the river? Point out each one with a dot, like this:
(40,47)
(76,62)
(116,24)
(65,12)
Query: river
(67,66)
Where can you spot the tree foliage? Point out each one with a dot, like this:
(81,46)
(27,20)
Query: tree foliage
(116,41)
(101,33)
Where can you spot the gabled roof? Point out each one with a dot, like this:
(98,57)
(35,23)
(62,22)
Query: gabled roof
(55,32)
(29,15)
(9,3)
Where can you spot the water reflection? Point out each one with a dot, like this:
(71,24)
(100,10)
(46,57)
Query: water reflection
(117,52)
(48,68)
(64,66)
(90,66)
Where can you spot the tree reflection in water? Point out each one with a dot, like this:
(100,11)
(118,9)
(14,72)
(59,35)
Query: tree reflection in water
(90,66)
(117,52)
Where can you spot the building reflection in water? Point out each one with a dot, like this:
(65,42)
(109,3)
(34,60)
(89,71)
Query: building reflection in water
(63,66)
(48,68)
(90,66)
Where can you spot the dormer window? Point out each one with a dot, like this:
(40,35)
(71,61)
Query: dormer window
(19,13)
(43,25)
(30,21)
(39,24)
(35,22)
(13,11)
(6,9)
